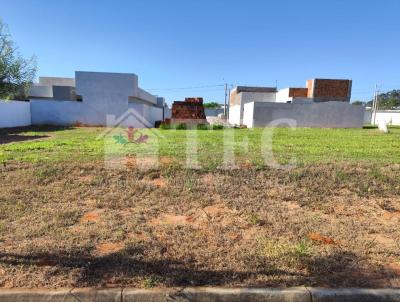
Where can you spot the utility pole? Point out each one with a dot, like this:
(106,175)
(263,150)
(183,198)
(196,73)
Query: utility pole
(226,94)
(375,104)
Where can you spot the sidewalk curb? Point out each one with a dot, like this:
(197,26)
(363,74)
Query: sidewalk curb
(201,294)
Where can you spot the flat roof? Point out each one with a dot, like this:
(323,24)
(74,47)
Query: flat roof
(255,89)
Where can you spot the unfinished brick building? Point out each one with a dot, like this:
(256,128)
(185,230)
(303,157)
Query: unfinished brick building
(322,90)
(191,111)
(322,103)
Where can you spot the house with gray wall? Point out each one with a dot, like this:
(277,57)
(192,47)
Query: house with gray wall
(323,103)
(93,98)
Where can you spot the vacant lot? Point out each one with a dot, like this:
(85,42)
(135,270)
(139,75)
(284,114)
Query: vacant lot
(67,220)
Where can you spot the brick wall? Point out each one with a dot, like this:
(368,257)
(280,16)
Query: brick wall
(326,89)
(298,92)
(191,108)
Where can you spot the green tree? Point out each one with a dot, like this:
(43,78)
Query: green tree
(211,105)
(388,100)
(358,103)
(16,73)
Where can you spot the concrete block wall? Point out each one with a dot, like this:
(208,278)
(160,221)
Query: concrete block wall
(319,115)
(14,114)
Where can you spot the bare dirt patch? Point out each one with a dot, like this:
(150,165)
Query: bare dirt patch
(169,219)
(158,182)
(92,216)
(107,248)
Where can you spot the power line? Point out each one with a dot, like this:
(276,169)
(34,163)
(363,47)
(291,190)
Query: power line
(191,87)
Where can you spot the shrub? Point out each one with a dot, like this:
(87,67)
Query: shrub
(217,127)
(202,127)
(164,126)
(181,127)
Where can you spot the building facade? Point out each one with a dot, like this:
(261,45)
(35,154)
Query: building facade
(323,103)
(93,98)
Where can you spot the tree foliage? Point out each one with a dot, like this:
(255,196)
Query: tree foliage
(211,105)
(388,100)
(16,73)
(360,103)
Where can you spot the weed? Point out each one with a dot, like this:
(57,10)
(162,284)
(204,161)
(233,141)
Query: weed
(150,282)
(46,174)
(2,228)
(67,218)
(340,176)
(255,219)
(297,175)
(283,253)
(190,184)
(377,174)
(302,249)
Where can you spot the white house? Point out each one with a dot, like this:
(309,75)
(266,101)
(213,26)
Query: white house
(323,103)
(90,97)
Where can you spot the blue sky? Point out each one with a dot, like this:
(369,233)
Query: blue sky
(181,44)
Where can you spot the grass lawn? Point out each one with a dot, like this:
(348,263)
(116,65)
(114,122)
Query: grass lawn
(304,145)
(68,220)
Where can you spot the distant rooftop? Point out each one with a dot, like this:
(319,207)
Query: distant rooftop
(255,89)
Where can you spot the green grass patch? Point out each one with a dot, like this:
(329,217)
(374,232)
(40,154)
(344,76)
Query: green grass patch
(302,145)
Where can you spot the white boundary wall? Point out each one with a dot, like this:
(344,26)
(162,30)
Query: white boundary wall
(316,114)
(234,114)
(67,113)
(392,117)
(14,114)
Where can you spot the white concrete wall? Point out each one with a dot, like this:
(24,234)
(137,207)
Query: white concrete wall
(213,111)
(367,117)
(317,115)
(282,96)
(14,114)
(103,95)
(258,97)
(392,117)
(299,100)
(146,96)
(65,113)
(235,113)
(247,97)
(248,116)
(150,114)
(167,112)
(56,81)
(39,91)
(56,112)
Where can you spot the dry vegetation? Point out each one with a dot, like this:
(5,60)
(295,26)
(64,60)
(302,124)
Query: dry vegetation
(79,224)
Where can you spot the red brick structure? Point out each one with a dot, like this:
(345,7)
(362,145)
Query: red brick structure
(298,92)
(329,89)
(189,111)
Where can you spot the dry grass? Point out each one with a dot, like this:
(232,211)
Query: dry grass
(71,224)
